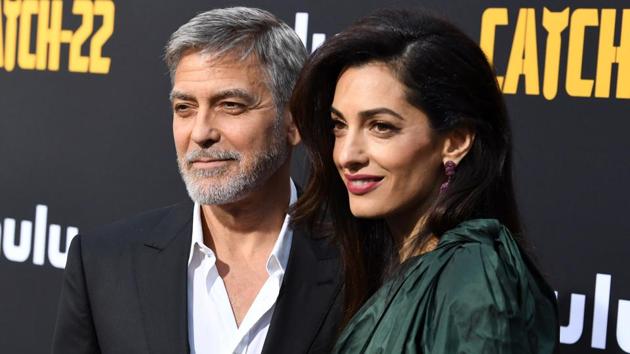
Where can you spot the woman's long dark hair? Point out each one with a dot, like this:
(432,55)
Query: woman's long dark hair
(448,77)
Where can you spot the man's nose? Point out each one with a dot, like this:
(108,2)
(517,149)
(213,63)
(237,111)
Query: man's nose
(351,151)
(204,131)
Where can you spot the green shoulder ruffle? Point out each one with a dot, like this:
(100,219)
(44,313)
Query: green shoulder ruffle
(475,293)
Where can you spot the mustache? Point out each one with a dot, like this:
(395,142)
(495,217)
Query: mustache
(194,155)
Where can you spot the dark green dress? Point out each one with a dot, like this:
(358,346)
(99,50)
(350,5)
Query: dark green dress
(475,293)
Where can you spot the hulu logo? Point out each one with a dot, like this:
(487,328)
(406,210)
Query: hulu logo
(301,28)
(32,240)
(572,332)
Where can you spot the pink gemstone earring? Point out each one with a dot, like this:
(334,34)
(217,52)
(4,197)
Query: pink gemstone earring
(449,169)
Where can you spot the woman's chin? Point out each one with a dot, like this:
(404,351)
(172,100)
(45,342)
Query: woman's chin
(367,211)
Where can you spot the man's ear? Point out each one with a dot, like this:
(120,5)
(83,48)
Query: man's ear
(457,143)
(293,135)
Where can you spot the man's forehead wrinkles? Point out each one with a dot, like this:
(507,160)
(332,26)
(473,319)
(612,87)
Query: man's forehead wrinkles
(202,78)
(230,59)
(215,74)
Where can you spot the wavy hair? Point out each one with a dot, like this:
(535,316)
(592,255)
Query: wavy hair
(447,76)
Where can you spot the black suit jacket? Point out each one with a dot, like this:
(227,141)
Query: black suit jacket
(125,290)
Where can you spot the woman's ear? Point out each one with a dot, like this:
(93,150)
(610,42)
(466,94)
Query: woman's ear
(293,135)
(457,143)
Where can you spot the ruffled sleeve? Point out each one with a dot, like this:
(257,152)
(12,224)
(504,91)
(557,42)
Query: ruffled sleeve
(487,301)
(477,306)
(475,293)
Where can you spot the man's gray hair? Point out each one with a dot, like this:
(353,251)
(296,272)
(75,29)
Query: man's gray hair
(243,31)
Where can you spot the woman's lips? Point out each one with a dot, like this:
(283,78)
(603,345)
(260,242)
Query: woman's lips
(362,184)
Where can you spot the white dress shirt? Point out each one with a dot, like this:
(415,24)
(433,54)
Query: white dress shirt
(211,324)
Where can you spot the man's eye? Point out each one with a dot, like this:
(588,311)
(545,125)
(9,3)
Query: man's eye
(233,107)
(181,109)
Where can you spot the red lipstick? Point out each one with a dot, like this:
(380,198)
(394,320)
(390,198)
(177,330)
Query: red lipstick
(361,184)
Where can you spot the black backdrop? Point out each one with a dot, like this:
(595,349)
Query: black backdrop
(85,138)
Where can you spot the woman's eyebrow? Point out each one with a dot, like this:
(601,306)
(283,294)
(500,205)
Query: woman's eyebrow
(336,112)
(381,110)
(369,113)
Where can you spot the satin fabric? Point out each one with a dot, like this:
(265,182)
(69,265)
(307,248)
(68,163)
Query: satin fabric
(476,292)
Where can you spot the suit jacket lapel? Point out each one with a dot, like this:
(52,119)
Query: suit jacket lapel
(161,273)
(310,286)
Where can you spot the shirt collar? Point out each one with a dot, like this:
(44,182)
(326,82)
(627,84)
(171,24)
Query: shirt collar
(279,257)
(197,233)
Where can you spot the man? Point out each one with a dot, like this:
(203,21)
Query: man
(228,274)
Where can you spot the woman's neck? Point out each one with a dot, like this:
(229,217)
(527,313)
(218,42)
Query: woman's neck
(408,232)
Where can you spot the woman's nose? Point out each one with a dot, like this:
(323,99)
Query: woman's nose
(350,151)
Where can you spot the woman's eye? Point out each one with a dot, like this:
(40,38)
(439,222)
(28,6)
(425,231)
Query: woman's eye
(337,125)
(380,127)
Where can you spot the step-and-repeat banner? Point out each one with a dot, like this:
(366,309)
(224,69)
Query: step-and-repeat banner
(85,138)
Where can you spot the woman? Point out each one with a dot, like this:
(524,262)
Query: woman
(410,150)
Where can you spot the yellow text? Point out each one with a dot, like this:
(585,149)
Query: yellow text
(41,50)
(523,57)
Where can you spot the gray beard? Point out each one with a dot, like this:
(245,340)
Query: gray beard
(223,187)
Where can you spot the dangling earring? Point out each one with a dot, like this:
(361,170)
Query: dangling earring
(449,169)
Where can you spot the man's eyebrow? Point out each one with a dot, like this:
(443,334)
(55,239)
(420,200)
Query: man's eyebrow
(233,93)
(180,95)
(228,93)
